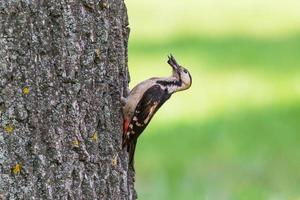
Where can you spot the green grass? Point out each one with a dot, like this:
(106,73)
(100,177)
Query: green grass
(234,134)
(249,154)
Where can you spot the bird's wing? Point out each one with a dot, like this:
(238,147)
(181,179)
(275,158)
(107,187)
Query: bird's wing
(151,101)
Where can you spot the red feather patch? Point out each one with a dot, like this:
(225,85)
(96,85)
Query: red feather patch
(125,125)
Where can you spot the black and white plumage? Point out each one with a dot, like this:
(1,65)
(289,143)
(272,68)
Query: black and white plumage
(146,98)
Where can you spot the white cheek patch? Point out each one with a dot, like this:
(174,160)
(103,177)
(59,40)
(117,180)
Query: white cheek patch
(186,78)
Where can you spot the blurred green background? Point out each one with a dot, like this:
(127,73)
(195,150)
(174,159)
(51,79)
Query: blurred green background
(235,133)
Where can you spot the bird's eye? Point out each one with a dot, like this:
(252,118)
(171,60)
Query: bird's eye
(185,71)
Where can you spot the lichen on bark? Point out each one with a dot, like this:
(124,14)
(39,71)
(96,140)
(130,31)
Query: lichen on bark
(63,69)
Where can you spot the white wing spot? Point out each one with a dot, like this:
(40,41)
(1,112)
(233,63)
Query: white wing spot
(138,124)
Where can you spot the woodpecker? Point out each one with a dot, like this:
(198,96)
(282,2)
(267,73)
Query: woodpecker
(146,98)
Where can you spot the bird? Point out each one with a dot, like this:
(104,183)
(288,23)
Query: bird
(146,98)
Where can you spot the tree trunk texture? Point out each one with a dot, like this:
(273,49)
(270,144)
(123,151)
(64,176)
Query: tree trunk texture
(63,69)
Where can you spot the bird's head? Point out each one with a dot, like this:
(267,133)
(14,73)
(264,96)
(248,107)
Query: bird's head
(181,74)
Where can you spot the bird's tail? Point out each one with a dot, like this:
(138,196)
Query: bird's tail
(131,149)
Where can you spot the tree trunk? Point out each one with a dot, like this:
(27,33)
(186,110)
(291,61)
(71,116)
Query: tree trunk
(63,69)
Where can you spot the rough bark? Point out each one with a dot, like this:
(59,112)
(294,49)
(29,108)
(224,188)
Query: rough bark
(63,67)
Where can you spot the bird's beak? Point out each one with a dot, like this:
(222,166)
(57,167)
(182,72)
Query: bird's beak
(172,62)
